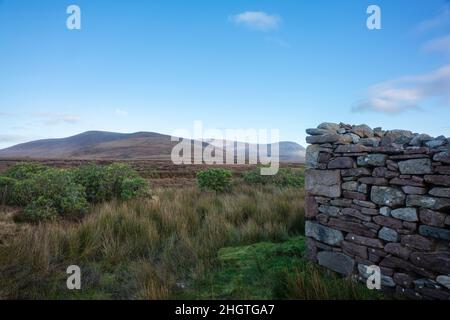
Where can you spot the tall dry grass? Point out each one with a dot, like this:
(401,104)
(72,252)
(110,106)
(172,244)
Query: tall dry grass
(146,248)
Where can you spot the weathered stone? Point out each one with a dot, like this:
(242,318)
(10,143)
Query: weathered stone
(415,166)
(374,160)
(416,150)
(409,226)
(369,212)
(366,204)
(385,211)
(443,157)
(436,261)
(323,234)
(444,281)
(419,139)
(356,172)
(319,132)
(434,232)
(436,143)
(337,262)
(351,227)
(442,170)
(373,181)
(406,182)
(388,234)
(355,138)
(399,137)
(434,294)
(439,180)
(322,219)
(354,249)
(432,218)
(323,183)
(365,272)
(312,156)
(408,156)
(403,279)
(388,222)
(370,242)
(352,148)
(341,202)
(326,138)
(350,186)
(311,250)
(324,157)
(330,210)
(398,250)
(417,242)
(341,163)
(379,172)
(447,220)
(398,263)
(414,190)
(364,131)
(427,202)
(354,195)
(311,208)
(363,188)
(406,214)
(370,142)
(329,126)
(386,196)
(440,192)
(355,213)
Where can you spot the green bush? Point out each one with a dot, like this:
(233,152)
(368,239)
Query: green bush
(55,188)
(133,188)
(25,170)
(218,180)
(46,192)
(286,177)
(40,209)
(6,189)
(103,183)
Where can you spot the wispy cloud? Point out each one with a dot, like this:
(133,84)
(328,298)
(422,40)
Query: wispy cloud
(440,20)
(51,119)
(439,45)
(257,20)
(121,112)
(11,138)
(408,92)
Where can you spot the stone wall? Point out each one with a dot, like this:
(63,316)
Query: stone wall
(380,198)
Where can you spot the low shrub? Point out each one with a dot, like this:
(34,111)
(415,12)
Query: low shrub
(25,170)
(6,189)
(46,192)
(104,183)
(218,180)
(51,188)
(286,177)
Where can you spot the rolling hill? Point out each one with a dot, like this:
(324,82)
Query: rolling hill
(120,146)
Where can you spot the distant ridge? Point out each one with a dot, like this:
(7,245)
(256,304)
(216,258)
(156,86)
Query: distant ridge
(92,145)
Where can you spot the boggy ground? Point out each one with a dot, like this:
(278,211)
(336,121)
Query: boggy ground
(177,243)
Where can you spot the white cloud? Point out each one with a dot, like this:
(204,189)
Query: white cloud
(441,45)
(408,92)
(121,112)
(441,20)
(257,20)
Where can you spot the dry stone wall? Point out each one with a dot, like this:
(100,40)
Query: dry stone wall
(381,198)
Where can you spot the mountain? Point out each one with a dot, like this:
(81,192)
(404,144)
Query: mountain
(120,146)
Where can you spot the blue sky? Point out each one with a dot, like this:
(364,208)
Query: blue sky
(160,65)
